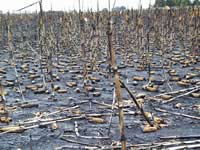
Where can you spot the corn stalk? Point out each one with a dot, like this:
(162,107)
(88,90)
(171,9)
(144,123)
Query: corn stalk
(117,82)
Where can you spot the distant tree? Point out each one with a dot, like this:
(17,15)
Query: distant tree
(171,3)
(196,2)
(185,3)
(160,3)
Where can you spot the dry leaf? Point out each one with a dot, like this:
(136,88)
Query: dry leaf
(61,91)
(147,129)
(56,87)
(158,120)
(175,78)
(166,97)
(12,129)
(5,119)
(140,95)
(140,102)
(90,88)
(148,114)
(196,106)
(153,88)
(97,94)
(2,71)
(96,120)
(94,78)
(183,83)
(138,78)
(76,111)
(195,95)
(71,84)
(178,105)
(54,126)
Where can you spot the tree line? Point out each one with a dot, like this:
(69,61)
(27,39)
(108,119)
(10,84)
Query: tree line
(174,3)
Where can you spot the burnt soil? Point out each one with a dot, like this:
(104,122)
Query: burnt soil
(43,137)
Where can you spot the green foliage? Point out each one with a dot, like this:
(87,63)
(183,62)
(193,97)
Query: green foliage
(185,3)
(172,3)
(160,3)
(196,2)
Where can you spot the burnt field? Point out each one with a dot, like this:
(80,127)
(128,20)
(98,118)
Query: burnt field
(126,79)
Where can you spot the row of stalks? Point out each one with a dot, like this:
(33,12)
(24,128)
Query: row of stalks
(110,37)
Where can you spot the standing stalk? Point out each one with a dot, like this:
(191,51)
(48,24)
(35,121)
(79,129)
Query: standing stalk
(12,58)
(82,40)
(41,41)
(117,83)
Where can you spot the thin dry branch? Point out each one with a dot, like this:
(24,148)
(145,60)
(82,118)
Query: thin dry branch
(178,114)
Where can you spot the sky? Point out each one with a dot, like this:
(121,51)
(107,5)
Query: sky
(66,5)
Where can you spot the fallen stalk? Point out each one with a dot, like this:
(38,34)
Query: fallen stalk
(138,106)
(86,137)
(19,128)
(75,147)
(180,137)
(178,91)
(80,143)
(178,114)
(172,99)
(157,145)
(184,147)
